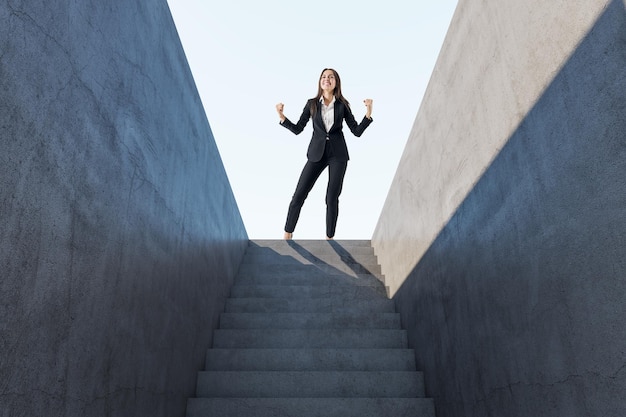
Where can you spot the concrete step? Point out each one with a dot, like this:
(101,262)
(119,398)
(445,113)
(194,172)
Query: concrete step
(309,321)
(319,305)
(310,384)
(311,277)
(312,339)
(344,292)
(269,256)
(310,407)
(290,256)
(306,247)
(350,270)
(310,360)
(310,245)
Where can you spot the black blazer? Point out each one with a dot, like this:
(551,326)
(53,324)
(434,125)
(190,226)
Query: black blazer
(335,134)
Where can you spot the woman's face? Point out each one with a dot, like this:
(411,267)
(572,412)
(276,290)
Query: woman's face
(327,81)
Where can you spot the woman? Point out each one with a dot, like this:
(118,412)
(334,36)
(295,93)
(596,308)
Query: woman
(327,148)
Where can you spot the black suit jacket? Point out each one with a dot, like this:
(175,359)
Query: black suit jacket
(334,135)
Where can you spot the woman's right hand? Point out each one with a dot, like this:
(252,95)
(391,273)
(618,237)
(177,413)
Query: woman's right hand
(279,109)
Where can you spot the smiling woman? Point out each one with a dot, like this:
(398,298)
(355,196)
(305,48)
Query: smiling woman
(328,109)
(247,55)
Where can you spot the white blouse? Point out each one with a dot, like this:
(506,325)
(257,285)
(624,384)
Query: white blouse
(328,113)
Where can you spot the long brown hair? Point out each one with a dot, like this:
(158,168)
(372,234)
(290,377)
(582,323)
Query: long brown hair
(337,91)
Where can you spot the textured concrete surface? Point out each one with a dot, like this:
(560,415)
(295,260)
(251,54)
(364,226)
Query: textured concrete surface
(504,232)
(309,320)
(120,235)
(309,338)
(326,343)
(345,292)
(310,407)
(331,359)
(305,384)
(332,257)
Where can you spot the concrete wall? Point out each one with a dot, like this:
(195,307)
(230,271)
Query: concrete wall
(503,235)
(119,233)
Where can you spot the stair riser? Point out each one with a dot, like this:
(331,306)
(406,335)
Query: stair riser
(310,384)
(273,269)
(344,292)
(310,407)
(271,305)
(290,339)
(308,321)
(314,279)
(368,262)
(333,259)
(310,360)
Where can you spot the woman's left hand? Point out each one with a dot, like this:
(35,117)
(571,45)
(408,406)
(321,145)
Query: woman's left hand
(368,104)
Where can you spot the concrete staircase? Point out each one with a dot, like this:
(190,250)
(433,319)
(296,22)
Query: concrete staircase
(309,331)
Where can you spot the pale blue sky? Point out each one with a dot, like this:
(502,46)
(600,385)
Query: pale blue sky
(247,55)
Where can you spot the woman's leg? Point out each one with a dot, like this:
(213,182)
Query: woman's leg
(336,173)
(310,174)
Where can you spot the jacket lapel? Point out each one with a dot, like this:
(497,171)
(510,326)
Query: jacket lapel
(318,115)
(338,112)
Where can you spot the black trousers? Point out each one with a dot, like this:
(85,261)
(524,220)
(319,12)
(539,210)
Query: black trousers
(308,177)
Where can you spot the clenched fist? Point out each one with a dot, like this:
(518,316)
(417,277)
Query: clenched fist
(279,109)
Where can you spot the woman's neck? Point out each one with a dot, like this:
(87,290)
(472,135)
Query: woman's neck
(328,96)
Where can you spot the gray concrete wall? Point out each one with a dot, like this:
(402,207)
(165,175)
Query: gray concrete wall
(119,234)
(503,235)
